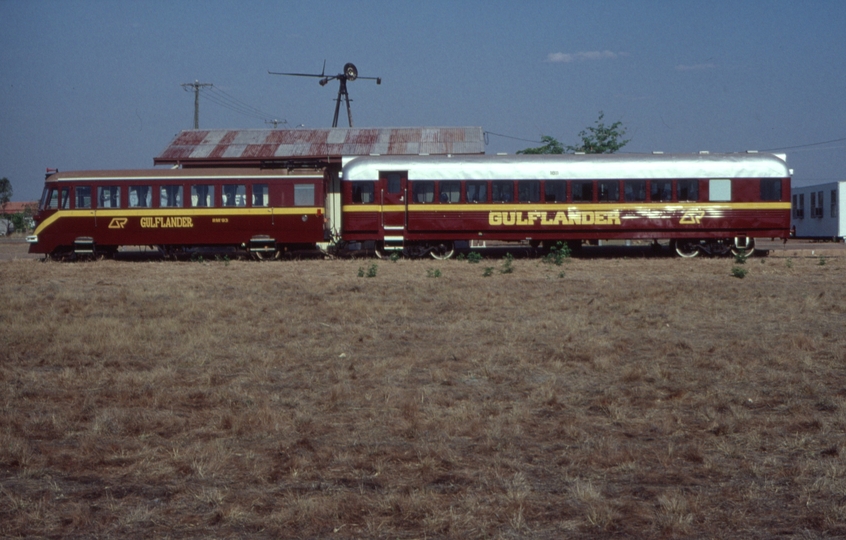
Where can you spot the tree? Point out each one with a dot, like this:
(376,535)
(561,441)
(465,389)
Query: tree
(599,139)
(5,193)
(550,146)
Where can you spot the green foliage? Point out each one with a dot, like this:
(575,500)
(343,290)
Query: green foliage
(822,260)
(474,257)
(550,146)
(738,272)
(489,270)
(5,192)
(460,257)
(601,139)
(433,273)
(598,139)
(740,258)
(507,264)
(395,256)
(557,254)
(560,274)
(789,263)
(370,272)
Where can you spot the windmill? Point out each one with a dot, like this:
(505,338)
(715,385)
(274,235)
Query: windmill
(350,73)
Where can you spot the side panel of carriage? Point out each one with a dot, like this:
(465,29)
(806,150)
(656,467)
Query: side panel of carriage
(562,210)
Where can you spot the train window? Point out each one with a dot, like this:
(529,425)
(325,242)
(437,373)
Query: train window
(423,192)
(528,191)
(555,191)
(83,197)
(582,190)
(449,192)
(260,197)
(362,192)
(770,189)
(502,191)
(202,195)
(719,190)
(51,200)
(234,195)
(394,183)
(634,190)
(303,194)
(139,196)
(661,190)
(108,196)
(65,198)
(688,190)
(476,192)
(608,190)
(170,197)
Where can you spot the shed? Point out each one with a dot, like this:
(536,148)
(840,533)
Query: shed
(816,211)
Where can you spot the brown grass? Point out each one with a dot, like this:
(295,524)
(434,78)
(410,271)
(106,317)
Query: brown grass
(639,397)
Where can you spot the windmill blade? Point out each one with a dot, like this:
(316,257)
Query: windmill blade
(296,74)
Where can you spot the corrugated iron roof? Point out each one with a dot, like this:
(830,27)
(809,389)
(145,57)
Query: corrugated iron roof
(256,146)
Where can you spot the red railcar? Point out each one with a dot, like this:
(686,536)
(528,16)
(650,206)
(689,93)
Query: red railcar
(713,203)
(260,211)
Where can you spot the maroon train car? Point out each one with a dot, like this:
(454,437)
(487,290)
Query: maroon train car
(711,203)
(260,211)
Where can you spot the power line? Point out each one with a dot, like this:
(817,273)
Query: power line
(805,145)
(237,105)
(227,101)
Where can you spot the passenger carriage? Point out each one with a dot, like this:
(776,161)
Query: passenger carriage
(259,211)
(711,203)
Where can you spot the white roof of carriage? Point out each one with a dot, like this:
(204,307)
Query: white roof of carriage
(571,166)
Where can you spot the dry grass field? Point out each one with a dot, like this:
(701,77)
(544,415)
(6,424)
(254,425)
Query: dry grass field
(644,397)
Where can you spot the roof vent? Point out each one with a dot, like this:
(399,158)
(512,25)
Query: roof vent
(704,152)
(657,152)
(751,151)
(502,153)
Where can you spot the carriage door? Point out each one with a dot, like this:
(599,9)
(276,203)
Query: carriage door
(394,199)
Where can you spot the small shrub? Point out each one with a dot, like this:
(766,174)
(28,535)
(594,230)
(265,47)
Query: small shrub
(557,254)
(460,257)
(433,273)
(560,274)
(822,260)
(370,272)
(740,258)
(738,272)
(474,257)
(489,270)
(395,256)
(789,263)
(507,264)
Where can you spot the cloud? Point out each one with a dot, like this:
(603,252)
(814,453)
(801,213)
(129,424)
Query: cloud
(695,67)
(566,58)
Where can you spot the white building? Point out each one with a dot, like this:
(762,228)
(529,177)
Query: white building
(816,211)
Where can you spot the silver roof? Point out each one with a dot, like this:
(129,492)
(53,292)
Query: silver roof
(571,166)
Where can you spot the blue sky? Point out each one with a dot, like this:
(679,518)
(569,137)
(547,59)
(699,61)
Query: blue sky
(97,84)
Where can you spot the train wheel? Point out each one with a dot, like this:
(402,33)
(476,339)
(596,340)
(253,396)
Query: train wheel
(743,251)
(442,251)
(381,252)
(686,248)
(265,255)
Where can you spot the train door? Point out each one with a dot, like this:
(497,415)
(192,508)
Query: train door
(394,198)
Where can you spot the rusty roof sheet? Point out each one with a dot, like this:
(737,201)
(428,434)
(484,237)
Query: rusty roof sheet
(249,146)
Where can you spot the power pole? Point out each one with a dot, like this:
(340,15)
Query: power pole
(196,85)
